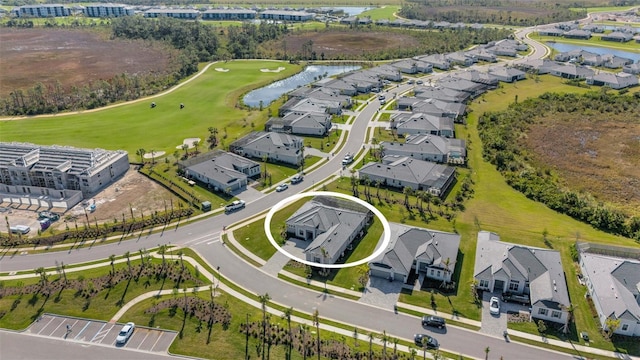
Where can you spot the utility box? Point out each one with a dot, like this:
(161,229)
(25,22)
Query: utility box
(206,206)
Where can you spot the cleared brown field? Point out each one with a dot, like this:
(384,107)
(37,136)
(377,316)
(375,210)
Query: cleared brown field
(597,156)
(333,43)
(73,57)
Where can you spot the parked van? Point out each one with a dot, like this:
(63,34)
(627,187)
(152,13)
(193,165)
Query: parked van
(20,229)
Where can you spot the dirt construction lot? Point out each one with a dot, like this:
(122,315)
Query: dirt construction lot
(132,190)
(73,57)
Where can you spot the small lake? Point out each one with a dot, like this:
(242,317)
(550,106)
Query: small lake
(562,47)
(273,91)
(349,10)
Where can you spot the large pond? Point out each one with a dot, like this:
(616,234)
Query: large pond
(563,47)
(351,10)
(275,90)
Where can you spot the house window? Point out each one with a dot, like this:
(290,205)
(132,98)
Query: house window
(625,327)
(542,311)
(484,283)
(432,272)
(438,273)
(556,314)
(514,285)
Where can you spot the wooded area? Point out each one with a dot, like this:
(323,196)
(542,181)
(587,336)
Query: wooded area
(502,134)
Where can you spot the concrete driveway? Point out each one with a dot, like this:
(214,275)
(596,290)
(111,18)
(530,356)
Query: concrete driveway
(492,324)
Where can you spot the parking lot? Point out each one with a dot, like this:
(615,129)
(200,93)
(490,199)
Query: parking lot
(101,332)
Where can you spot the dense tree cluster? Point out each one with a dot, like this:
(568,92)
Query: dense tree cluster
(243,40)
(500,133)
(491,11)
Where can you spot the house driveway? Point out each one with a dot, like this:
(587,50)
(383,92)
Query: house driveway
(492,324)
(381,293)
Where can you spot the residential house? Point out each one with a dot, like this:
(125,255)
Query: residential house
(460,58)
(429,252)
(275,147)
(615,81)
(578,34)
(571,71)
(441,108)
(613,285)
(537,66)
(331,227)
(438,61)
(537,272)
(386,72)
(428,148)
(412,66)
(632,68)
(311,105)
(300,123)
(322,94)
(617,36)
(421,123)
(507,74)
(481,54)
(472,88)
(382,22)
(593,28)
(615,62)
(340,85)
(550,31)
(229,14)
(440,93)
(401,171)
(221,171)
(479,77)
(441,25)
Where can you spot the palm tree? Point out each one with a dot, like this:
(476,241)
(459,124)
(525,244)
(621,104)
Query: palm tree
(112,259)
(127,255)
(407,191)
(140,152)
(374,142)
(303,335)
(185,147)
(384,339)
(486,353)
(395,347)
(378,183)
(162,250)
(43,275)
(371,336)
(316,321)
(425,342)
(195,145)
(6,219)
(428,198)
(380,152)
(153,156)
(64,273)
(286,314)
(413,352)
(447,266)
(264,300)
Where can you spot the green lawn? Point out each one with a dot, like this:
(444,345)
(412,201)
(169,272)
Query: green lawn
(210,101)
(384,12)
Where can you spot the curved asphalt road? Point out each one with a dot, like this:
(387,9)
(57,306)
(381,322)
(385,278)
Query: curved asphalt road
(455,340)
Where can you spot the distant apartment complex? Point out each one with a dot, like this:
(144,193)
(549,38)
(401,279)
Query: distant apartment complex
(41,10)
(108,10)
(56,176)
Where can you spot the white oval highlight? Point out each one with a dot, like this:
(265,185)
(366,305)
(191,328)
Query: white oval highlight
(381,248)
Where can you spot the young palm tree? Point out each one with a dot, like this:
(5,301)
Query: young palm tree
(264,300)
(371,336)
(127,255)
(316,321)
(286,314)
(112,259)
(385,338)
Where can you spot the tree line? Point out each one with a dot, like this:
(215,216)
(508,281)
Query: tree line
(500,133)
(491,11)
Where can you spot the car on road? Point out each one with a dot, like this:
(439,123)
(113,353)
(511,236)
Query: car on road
(435,321)
(236,205)
(348,159)
(426,341)
(125,333)
(282,187)
(410,82)
(419,82)
(494,306)
(296,179)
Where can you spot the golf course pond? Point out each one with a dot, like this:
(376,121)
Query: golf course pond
(273,91)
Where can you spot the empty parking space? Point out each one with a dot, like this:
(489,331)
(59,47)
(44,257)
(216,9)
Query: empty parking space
(101,332)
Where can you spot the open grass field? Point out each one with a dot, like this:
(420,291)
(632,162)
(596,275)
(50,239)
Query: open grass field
(383,12)
(210,101)
(72,56)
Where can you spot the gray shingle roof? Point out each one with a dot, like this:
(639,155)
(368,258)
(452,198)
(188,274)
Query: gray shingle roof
(406,169)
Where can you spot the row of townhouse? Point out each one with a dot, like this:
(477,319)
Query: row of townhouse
(627,78)
(584,57)
(56,177)
(572,31)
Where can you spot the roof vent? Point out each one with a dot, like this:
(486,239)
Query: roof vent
(555,288)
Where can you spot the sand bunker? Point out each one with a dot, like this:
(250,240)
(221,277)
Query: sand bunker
(189,142)
(276,70)
(155,155)
(221,69)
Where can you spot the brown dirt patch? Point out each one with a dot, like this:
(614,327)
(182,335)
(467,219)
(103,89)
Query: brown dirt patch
(71,56)
(598,156)
(133,189)
(333,43)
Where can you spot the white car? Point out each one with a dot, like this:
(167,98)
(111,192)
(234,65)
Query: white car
(282,187)
(125,333)
(348,159)
(494,306)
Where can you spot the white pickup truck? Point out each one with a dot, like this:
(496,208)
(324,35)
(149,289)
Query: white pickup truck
(236,205)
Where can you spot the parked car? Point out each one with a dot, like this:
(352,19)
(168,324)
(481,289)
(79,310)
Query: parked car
(296,179)
(125,333)
(435,321)
(419,82)
(410,82)
(282,187)
(236,205)
(494,306)
(430,341)
(517,298)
